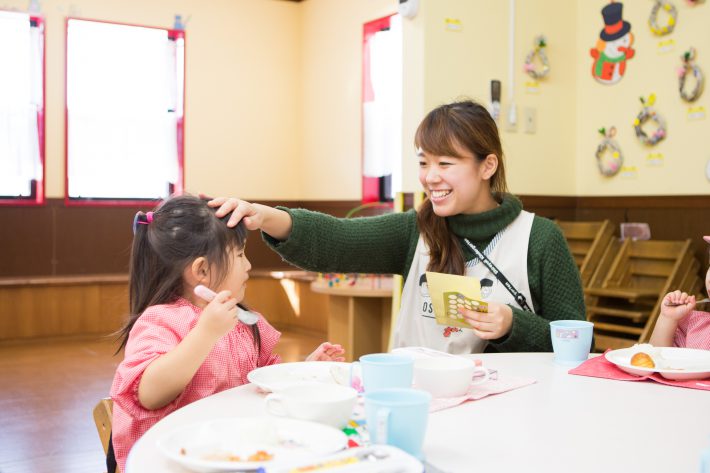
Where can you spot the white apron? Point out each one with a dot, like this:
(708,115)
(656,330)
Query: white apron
(416,324)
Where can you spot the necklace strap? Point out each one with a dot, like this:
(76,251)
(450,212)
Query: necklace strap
(518,296)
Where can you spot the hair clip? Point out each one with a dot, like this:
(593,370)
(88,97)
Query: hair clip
(137,219)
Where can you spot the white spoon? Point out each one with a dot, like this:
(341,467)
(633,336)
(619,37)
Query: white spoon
(244,316)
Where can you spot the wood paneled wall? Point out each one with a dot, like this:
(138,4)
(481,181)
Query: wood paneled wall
(55,240)
(66,306)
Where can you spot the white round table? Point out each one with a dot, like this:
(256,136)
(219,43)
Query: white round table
(562,423)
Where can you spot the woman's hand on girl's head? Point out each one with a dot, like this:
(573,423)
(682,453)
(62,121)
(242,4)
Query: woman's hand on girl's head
(240,209)
(495,323)
(270,220)
(327,352)
(219,316)
(676,305)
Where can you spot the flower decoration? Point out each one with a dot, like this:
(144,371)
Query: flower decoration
(609,157)
(689,67)
(539,51)
(670,9)
(646,114)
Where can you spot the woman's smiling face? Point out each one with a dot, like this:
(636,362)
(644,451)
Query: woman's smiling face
(456,184)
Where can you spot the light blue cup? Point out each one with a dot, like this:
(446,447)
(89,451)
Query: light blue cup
(398,417)
(386,370)
(571,340)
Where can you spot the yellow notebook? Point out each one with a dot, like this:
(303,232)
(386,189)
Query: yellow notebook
(449,293)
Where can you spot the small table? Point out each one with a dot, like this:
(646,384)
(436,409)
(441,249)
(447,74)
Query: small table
(359,318)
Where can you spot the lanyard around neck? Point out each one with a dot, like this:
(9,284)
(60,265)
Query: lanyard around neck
(518,296)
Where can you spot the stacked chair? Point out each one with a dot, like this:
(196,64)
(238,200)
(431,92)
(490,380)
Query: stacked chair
(625,281)
(624,301)
(588,241)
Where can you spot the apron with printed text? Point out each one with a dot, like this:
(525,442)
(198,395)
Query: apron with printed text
(416,324)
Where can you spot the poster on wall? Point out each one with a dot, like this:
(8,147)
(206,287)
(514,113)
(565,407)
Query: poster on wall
(614,46)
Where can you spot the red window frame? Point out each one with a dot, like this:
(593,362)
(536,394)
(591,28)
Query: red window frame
(174,35)
(39,195)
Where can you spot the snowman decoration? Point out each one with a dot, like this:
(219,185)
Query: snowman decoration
(614,46)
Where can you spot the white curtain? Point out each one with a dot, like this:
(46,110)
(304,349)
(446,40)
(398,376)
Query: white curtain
(20,97)
(121,101)
(382,116)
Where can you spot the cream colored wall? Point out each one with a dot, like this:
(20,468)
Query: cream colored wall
(242,89)
(461,63)
(274,92)
(332,92)
(686,149)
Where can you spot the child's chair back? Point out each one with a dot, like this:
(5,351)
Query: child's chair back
(103,414)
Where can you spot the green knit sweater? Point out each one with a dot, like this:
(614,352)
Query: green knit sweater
(386,243)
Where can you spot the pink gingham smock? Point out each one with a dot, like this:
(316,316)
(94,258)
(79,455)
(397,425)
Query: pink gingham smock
(157,331)
(693,331)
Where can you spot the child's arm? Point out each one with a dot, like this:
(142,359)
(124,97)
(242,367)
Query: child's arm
(675,307)
(168,375)
(327,352)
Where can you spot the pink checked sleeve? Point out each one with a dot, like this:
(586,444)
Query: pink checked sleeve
(679,339)
(150,338)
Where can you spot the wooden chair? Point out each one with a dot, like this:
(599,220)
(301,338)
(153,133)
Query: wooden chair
(625,305)
(587,241)
(103,414)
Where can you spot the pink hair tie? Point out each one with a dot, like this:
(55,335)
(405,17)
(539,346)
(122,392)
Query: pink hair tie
(149,216)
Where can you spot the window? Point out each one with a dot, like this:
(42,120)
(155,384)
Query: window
(124,109)
(381,109)
(21,109)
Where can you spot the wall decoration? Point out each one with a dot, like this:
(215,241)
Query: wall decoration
(695,113)
(649,113)
(614,46)
(655,159)
(539,51)
(672,13)
(689,67)
(609,157)
(666,46)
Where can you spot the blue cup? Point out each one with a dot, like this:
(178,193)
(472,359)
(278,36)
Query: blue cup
(398,417)
(386,370)
(571,340)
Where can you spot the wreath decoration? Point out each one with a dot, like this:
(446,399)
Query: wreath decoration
(688,67)
(609,164)
(672,17)
(539,51)
(648,113)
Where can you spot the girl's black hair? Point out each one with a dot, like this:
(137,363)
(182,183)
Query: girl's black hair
(182,228)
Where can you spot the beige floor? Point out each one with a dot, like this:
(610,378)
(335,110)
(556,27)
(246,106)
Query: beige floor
(47,394)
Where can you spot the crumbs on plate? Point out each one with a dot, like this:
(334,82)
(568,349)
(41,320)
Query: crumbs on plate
(258,456)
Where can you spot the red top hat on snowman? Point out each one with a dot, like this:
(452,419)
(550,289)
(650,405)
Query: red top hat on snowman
(614,26)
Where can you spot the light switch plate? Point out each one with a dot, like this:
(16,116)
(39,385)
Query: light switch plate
(530,120)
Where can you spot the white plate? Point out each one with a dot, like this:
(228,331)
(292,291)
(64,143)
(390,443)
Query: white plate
(275,377)
(679,363)
(206,446)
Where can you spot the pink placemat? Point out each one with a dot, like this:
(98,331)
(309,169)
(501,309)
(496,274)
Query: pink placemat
(600,367)
(479,391)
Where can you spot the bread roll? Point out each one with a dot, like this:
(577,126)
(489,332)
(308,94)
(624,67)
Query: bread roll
(643,360)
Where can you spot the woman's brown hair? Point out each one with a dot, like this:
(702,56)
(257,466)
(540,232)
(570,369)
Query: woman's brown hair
(443,131)
(181,229)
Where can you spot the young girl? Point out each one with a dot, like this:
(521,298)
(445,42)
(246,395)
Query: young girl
(679,324)
(467,214)
(179,348)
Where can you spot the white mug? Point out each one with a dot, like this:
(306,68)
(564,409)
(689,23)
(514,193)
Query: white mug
(447,376)
(317,402)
